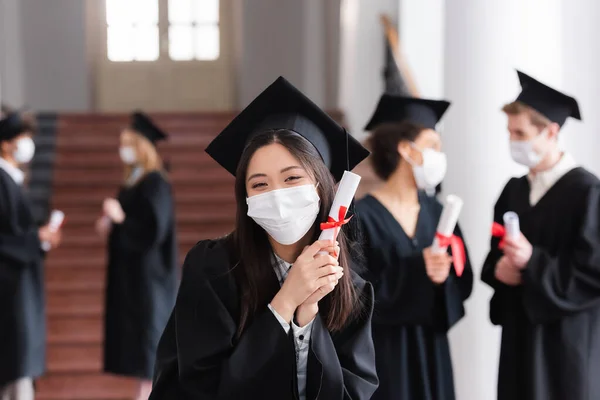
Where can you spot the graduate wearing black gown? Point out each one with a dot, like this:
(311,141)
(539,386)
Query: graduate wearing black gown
(249,323)
(415,304)
(547,281)
(142,257)
(22,303)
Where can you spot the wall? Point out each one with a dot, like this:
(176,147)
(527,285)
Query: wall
(44,61)
(50,56)
(296,39)
(11,57)
(55,59)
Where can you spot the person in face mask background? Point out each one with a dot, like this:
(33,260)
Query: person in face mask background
(22,304)
(547,280)
(142,256)
(418,297)
(261,314)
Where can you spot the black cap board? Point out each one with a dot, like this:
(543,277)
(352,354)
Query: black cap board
(141,123)
(551,103)
(12,125)
(392,109)
(282,106)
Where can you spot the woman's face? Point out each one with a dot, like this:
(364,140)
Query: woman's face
(427,139)
(274,167)
(128,139)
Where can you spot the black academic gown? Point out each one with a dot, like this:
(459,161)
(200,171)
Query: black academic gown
(551,323)
(141,277)
(412,315)
(200,356)
(22,313)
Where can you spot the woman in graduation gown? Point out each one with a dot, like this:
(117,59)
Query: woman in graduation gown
(22,305)
(142,257)
(260,314)
(418,296)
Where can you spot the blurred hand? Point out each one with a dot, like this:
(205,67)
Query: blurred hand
(53,238)
(103,225)
(518,250)
(112,209)
(437,265)
(507,273)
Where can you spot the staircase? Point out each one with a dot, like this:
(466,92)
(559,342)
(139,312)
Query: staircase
(86,170)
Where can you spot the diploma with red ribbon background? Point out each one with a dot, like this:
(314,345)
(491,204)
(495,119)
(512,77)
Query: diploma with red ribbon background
(341,202)
(445,237)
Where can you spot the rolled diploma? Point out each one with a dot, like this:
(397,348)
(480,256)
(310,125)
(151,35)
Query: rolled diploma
(56,219)
(511,224)
(447,221)
(344,196)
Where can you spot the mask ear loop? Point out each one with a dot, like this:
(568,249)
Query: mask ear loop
(410,160)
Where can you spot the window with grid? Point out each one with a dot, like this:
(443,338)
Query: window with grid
(133,30)
(194,30)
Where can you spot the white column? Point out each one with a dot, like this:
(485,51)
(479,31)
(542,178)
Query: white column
(362,59)
(485,42)
(422,44)
(581,78)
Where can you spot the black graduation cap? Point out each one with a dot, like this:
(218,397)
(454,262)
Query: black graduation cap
(142,124)
(282,106)
(551,103)
(393,108)
(12,125)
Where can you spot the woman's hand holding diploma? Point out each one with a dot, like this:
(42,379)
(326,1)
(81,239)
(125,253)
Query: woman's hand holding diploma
(312,273)
(307,310)
(437,265)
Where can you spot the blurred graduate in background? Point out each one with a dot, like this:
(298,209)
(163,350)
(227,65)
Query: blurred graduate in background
(546,280)
(418,296)
(142,256)
(22,301)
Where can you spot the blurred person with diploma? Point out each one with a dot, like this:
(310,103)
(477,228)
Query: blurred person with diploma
(22,303)
(142,257)
(546,280)
(418,296)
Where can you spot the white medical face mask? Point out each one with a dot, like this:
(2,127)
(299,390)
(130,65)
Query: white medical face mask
(24,151)
(524,153)
(431,172)
(285,214)
(127,154)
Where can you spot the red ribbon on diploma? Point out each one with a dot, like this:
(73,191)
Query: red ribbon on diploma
(499,231)
(458,250)
(333,224)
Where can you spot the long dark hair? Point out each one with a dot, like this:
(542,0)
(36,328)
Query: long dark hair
(255,266)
